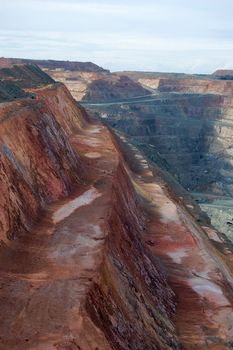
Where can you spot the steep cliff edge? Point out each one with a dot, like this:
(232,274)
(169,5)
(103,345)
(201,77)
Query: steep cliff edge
(74,272)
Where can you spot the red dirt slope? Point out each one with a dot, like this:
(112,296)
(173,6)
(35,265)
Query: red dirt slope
(81,278)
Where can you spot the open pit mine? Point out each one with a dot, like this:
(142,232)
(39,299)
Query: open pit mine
(116,220)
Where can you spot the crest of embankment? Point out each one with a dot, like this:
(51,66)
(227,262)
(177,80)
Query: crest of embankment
(79,280)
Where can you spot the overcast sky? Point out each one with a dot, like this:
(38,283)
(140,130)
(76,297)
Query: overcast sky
(152,35)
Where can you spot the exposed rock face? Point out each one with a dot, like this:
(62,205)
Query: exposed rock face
(77,274)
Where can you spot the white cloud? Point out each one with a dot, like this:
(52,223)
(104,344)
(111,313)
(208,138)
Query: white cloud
(170,35)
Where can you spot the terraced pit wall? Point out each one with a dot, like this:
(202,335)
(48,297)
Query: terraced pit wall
(190,135)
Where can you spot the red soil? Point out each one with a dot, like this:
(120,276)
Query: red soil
(81,278)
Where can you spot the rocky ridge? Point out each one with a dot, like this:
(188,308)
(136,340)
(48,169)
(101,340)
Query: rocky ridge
(66,279)
(97,250)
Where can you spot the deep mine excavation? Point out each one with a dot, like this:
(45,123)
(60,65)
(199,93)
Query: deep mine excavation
(115,212)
